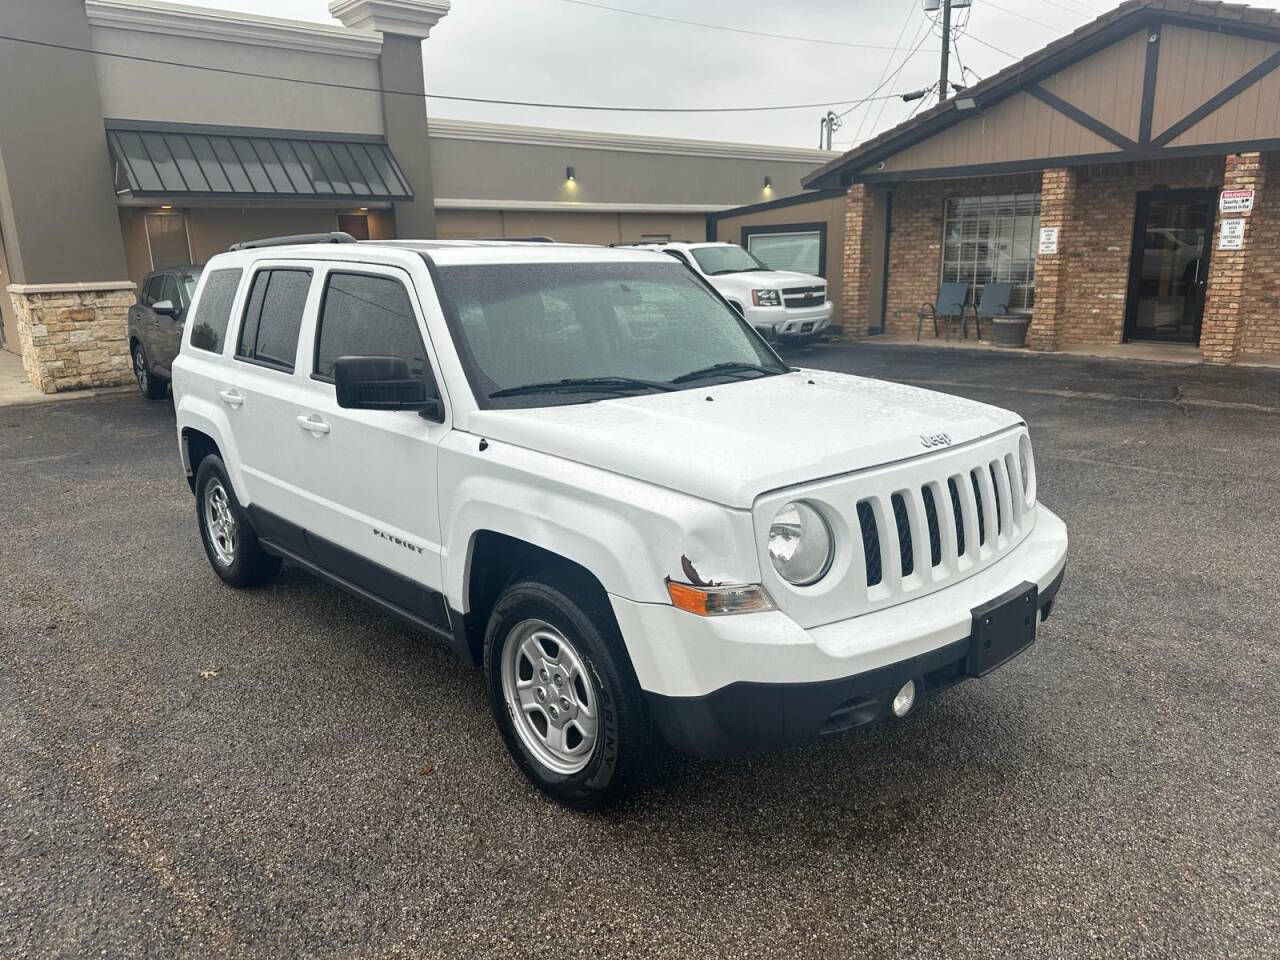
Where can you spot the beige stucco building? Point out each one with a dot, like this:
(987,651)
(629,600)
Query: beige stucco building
(139,134)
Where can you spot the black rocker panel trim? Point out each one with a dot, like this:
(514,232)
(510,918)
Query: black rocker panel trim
(391,591)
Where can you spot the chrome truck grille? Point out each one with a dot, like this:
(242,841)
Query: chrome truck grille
(912,528)
(814,296)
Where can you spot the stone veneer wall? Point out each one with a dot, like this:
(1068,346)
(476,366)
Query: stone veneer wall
(74,335)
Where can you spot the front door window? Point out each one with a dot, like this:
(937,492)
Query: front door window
(1172,240)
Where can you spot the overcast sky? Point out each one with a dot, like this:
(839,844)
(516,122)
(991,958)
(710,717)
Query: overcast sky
(566,52)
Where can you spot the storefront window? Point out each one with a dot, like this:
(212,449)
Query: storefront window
(992,240)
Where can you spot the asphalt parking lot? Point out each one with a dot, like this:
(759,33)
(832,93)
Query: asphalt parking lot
(188,770)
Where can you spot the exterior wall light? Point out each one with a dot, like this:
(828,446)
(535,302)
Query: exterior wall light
(569,174)
(768,183)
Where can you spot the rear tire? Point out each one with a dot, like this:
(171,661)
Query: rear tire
(563,694)
(233,548)
(151,386)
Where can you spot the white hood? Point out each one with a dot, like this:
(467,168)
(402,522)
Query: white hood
(770,279)
(752,436)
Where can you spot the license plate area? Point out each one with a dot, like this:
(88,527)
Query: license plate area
(1002,629)
(806,327)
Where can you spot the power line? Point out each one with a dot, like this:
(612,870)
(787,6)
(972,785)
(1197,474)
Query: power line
(880,81)
(918,39)
(1023,16)
(434,96)
(728,29)
(991,46)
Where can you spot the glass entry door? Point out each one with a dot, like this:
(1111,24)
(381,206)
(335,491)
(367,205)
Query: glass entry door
(1172,238)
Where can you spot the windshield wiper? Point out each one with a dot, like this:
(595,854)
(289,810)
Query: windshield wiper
(573,384)
(730,366)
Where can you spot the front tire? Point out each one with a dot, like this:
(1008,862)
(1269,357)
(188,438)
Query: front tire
(233,548)
(151,386)
(563,695)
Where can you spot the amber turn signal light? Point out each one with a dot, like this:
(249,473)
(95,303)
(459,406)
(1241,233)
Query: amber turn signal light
(719,601)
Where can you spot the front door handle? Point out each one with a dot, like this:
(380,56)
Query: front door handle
(314,424)
(231,398)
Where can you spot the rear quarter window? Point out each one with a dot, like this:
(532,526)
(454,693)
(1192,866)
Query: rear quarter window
(213,312)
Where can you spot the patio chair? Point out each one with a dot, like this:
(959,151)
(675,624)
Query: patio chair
(994,303)
(948,308)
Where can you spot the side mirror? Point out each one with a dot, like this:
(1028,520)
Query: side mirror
(384,383)
(166,308)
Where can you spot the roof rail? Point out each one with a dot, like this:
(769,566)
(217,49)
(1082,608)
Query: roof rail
(514,240)
(336,236)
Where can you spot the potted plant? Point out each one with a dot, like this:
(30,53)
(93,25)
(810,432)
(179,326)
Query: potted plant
(1010,330)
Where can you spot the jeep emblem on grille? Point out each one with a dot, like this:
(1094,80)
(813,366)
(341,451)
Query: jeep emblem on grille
(931,440)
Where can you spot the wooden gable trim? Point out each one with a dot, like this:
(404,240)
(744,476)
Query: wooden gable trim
(1223,96)
(1079,116)
(862,169)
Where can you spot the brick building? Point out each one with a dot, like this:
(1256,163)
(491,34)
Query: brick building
(1146,138)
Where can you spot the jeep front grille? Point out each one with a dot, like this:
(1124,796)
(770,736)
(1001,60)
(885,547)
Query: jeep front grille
(991,490)
(908,528)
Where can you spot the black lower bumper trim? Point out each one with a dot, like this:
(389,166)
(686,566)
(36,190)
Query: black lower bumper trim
(744,716)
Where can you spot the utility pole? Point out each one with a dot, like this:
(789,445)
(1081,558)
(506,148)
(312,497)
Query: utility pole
(946,49)
(829,125)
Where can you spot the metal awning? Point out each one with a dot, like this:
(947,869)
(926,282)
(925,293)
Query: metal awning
(191,162)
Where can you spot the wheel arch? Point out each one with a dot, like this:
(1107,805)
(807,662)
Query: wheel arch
(494,561)
(202,429)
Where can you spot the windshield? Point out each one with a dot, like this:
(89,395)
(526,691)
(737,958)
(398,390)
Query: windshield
(528,335)
(726,259)
(189,285)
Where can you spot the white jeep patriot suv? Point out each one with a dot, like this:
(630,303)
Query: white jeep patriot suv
(583,471)
(781,304)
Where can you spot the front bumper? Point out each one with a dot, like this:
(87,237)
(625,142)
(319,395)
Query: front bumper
(790,321)
(719,684)
(746,715)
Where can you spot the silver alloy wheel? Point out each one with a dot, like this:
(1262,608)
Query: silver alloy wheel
(140,369)
(550,696)
(220,523)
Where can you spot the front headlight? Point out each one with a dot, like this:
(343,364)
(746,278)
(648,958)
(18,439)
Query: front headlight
(1028,469)
(800,544)
(766,298)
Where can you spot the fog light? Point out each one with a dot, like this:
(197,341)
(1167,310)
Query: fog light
(905,699)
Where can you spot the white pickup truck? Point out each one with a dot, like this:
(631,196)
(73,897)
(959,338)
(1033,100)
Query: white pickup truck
(585,473)
(780,304)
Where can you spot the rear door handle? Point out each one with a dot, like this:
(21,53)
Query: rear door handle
(231,398)
(314,424)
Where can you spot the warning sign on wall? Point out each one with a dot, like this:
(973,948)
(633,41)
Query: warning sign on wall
(1235,201)
(1231,236)
(1049,240)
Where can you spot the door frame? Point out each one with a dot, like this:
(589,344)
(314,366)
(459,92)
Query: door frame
(1136,249)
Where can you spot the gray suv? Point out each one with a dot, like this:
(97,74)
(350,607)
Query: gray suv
(155,326)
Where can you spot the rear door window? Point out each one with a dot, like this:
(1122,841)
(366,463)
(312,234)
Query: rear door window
(213,312)
(273,317)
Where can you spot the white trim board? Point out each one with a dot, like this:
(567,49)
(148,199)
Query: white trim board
(445,128)
(569,206)
(198,23)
